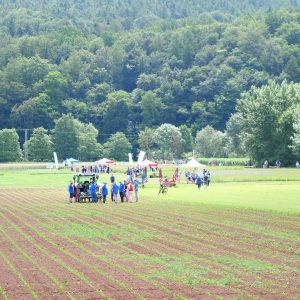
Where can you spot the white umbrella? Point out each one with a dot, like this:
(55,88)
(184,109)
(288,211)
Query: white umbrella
(193,163)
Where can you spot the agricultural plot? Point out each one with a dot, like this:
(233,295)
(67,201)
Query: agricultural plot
(156,249)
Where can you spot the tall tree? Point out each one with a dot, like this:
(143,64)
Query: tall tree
(151,108)
(169,140)
(210,142)
(10,150)
(187,137)
(267,122)
(39,147)
(117,147)
(65,137)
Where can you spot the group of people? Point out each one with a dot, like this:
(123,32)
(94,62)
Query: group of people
(200,178)
(123,191)
(93,169)
(136,172)
(267,165)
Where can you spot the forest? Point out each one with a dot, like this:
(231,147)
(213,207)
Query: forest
(131,66)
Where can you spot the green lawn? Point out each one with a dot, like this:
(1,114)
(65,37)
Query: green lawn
(273,189)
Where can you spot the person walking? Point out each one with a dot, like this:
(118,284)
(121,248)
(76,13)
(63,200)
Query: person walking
(93,192)
(136,190)
(71,191)
(104,191)
(121,191)
(115,189)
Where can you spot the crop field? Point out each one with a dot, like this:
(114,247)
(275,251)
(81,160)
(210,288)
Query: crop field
(230,241)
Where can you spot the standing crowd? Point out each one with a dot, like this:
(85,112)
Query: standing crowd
(200,178)
(122,192)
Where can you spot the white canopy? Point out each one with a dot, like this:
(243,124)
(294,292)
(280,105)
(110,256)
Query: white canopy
(104,161)
(193,163)
(71,161)
(147,163)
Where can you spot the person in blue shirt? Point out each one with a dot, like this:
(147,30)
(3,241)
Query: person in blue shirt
(93,192)
(104,191)
(115,189)
(121,191)
(71,191)
(136,190)
(199,182)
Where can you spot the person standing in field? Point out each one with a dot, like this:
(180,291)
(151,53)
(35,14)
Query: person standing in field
(129,191)
(93,192)
(71,192)
(136,190)
(112,179)
(125,193)
(115,189)
(208,178)
(199,182)
(104,191)
(121,191)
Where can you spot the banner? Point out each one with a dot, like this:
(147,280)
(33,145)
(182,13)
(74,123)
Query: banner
(141,156)
(55,159)
(130,158)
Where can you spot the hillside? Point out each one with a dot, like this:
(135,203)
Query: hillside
(181,62)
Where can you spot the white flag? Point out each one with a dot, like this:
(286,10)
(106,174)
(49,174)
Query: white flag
(141,156)
(55,159)
(130,158)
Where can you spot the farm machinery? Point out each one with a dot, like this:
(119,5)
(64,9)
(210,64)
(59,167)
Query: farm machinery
(82,187)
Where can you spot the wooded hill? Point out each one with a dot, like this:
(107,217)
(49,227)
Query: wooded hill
(125,65)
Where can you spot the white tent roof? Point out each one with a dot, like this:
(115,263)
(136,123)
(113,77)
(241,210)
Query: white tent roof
(104,161)
(193,163)
(147,163)
(72,159)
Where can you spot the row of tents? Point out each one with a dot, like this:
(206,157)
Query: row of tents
(192,163)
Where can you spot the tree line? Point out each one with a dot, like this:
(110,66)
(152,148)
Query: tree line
(265,126)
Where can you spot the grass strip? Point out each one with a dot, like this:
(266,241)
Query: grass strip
(3,294)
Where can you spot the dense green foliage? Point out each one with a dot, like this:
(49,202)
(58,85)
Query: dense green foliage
(210,143)
(267,121)
(296,135)
(128,65)
(117,147)
(9,146)
(39,147)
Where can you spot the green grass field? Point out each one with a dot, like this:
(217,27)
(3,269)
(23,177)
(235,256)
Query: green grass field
(273,189)
(237,239)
